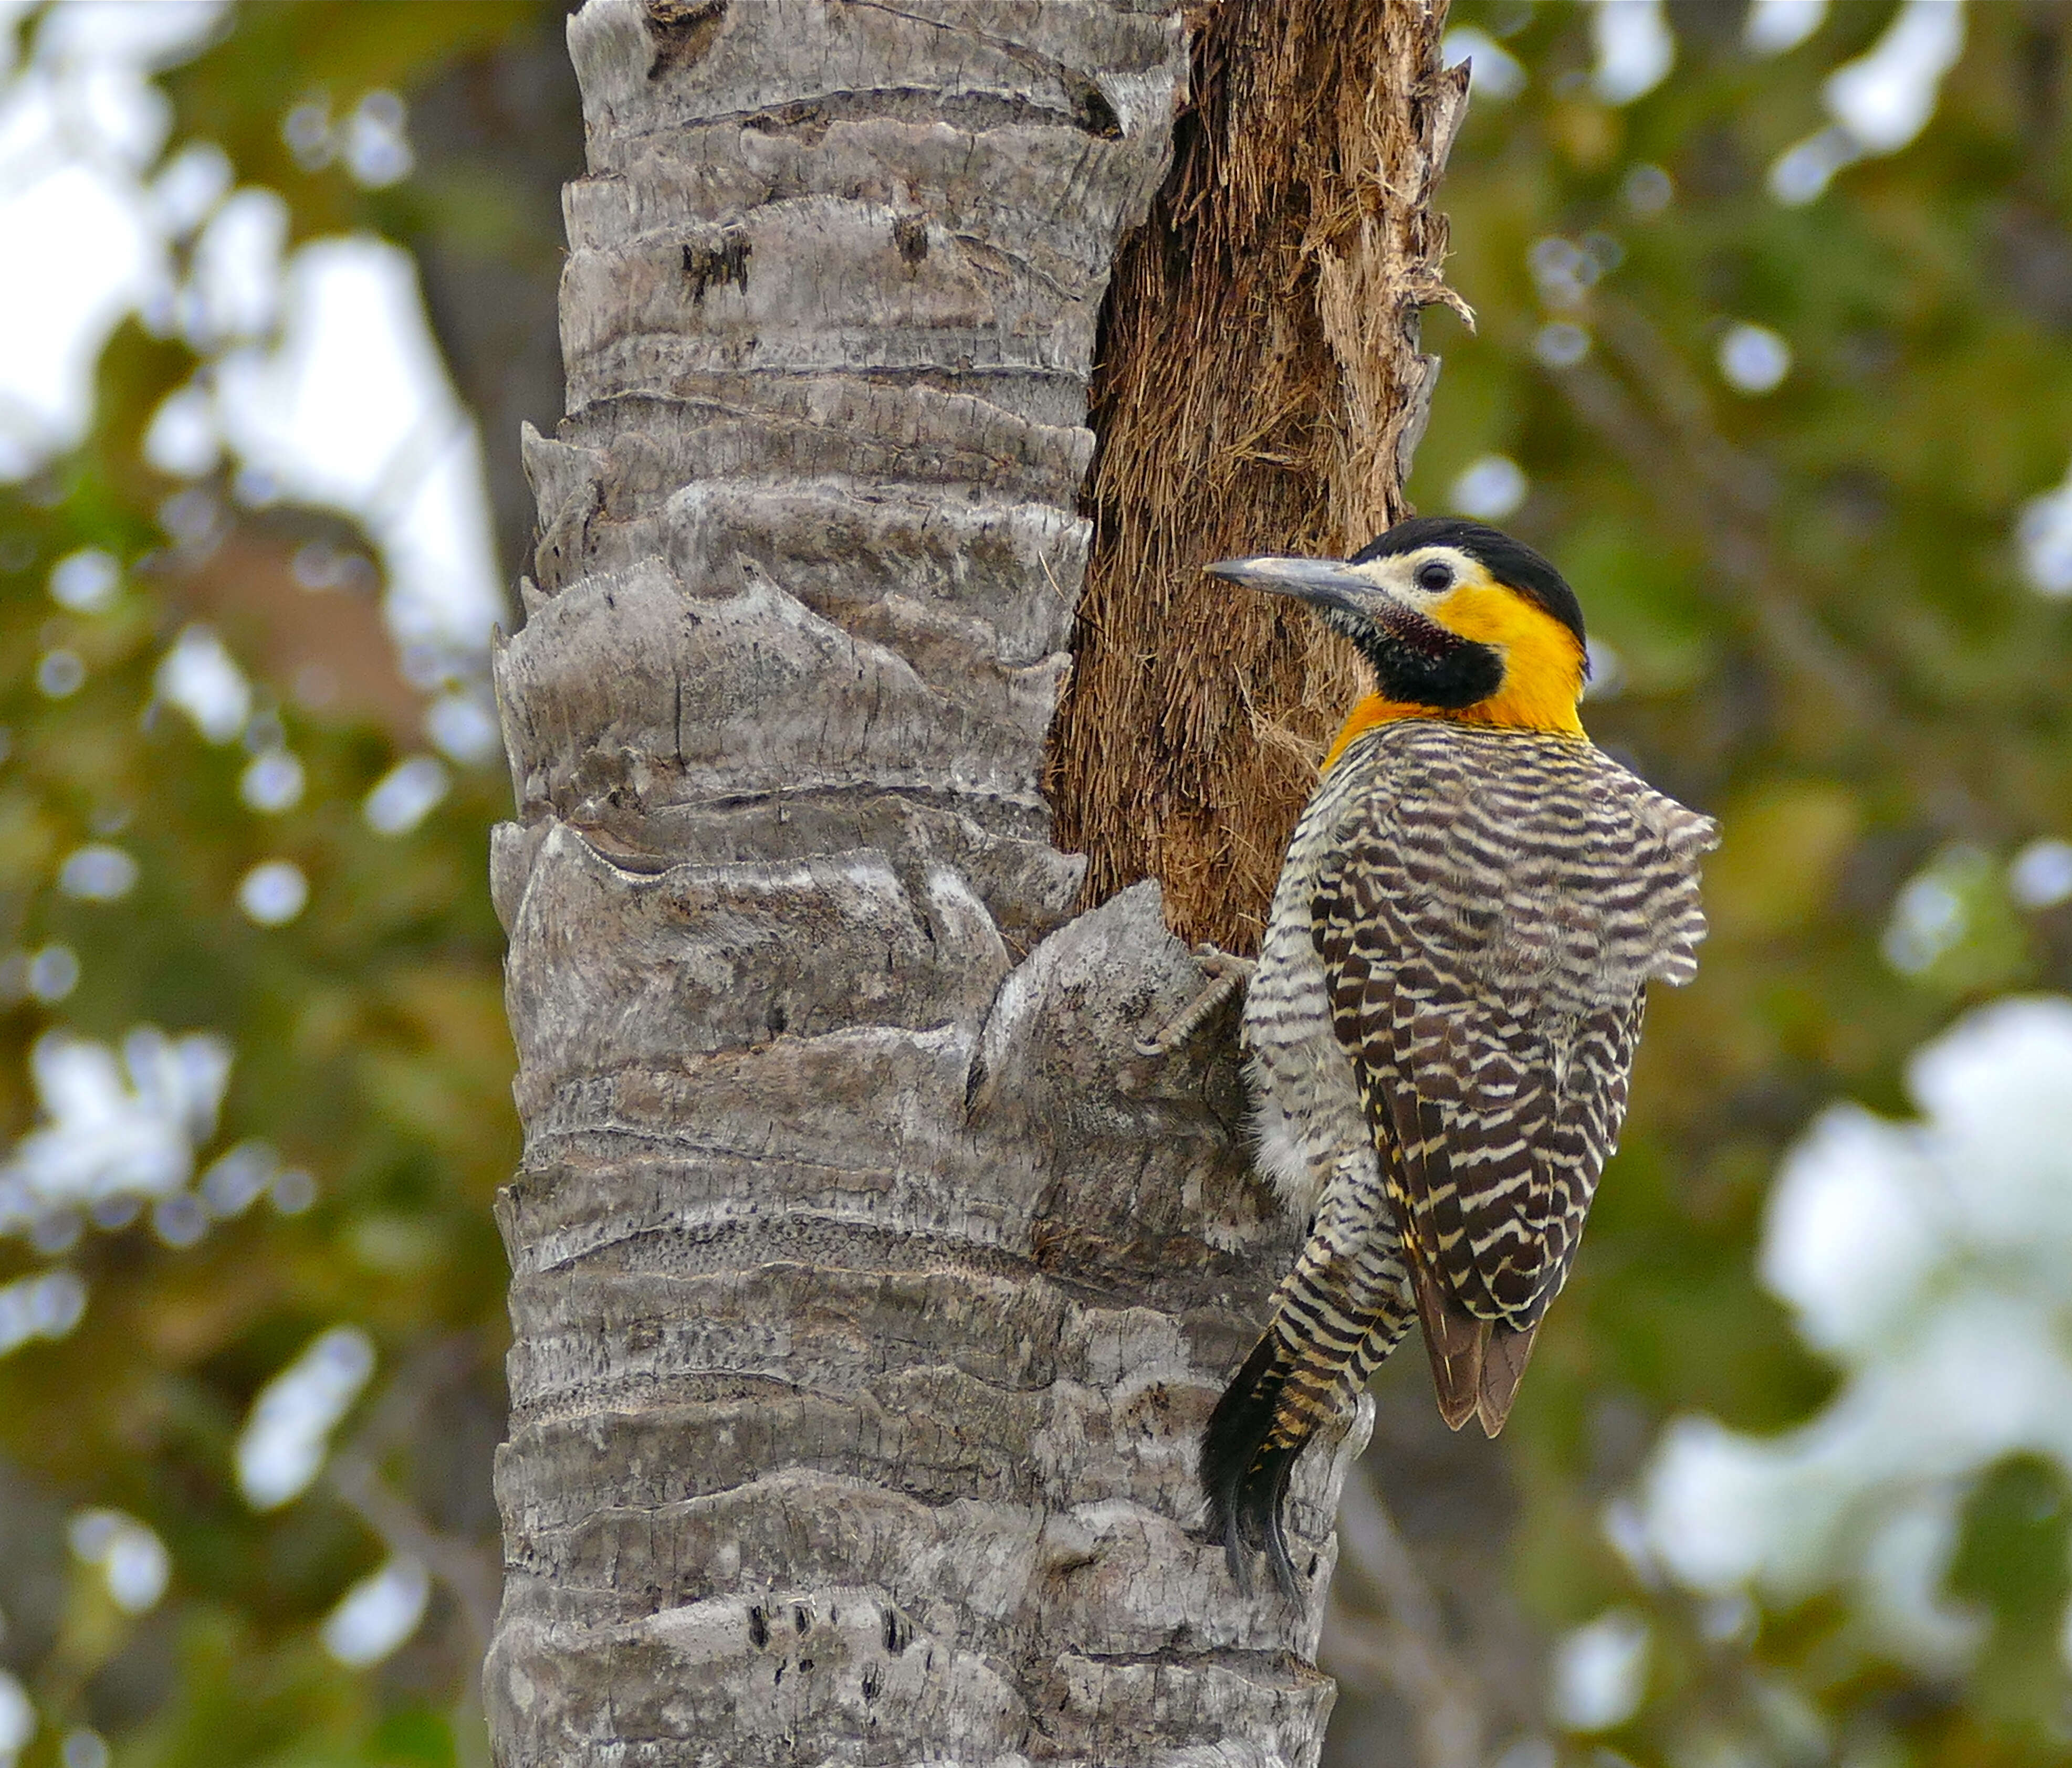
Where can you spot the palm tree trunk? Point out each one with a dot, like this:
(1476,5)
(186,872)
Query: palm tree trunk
(869,1291)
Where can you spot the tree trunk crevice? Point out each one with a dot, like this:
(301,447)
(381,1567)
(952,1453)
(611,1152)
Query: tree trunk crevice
(1261,389)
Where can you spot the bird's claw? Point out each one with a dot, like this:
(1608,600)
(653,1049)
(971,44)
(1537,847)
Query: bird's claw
(1227,974)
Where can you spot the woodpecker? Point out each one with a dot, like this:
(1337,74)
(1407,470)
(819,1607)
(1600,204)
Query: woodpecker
(1441,1021)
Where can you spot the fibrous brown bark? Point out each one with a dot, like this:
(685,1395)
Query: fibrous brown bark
(1261,390)
(869,1291)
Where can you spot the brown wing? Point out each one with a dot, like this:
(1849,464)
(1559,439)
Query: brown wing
(1486,934)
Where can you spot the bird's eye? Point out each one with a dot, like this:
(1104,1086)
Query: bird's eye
(1435,575)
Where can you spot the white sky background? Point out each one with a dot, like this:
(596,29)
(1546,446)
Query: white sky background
(328,387)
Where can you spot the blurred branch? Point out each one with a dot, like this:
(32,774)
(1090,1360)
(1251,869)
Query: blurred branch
(1403,1648)
(470,1573)
(1658,418)
(460,1565)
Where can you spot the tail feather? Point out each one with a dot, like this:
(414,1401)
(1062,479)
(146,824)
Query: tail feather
(1248,1452)
(1476,1364)
(1503,1368)
(1456,1341)
(1281,1398)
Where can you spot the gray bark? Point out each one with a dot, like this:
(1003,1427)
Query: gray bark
(869,1291)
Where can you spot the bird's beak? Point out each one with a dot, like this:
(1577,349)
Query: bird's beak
(1322,583)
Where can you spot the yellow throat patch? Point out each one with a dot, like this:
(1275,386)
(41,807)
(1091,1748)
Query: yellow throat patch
(1542,669)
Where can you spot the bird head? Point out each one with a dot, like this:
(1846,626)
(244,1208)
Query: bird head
(1455,619)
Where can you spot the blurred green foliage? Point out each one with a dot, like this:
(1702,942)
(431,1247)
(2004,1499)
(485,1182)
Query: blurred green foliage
(2014,1564)
(368,1033)
(1823,636)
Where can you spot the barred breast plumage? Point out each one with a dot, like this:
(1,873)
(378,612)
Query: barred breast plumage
(1439,1034)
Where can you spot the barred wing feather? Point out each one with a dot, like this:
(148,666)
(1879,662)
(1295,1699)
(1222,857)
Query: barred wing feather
(1498,903)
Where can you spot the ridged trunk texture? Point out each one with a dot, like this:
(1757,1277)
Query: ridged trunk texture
(869,1291)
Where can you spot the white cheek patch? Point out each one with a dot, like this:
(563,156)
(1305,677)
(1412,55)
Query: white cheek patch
(1396,577)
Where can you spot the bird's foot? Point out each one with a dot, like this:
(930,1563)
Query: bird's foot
(1227,974)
